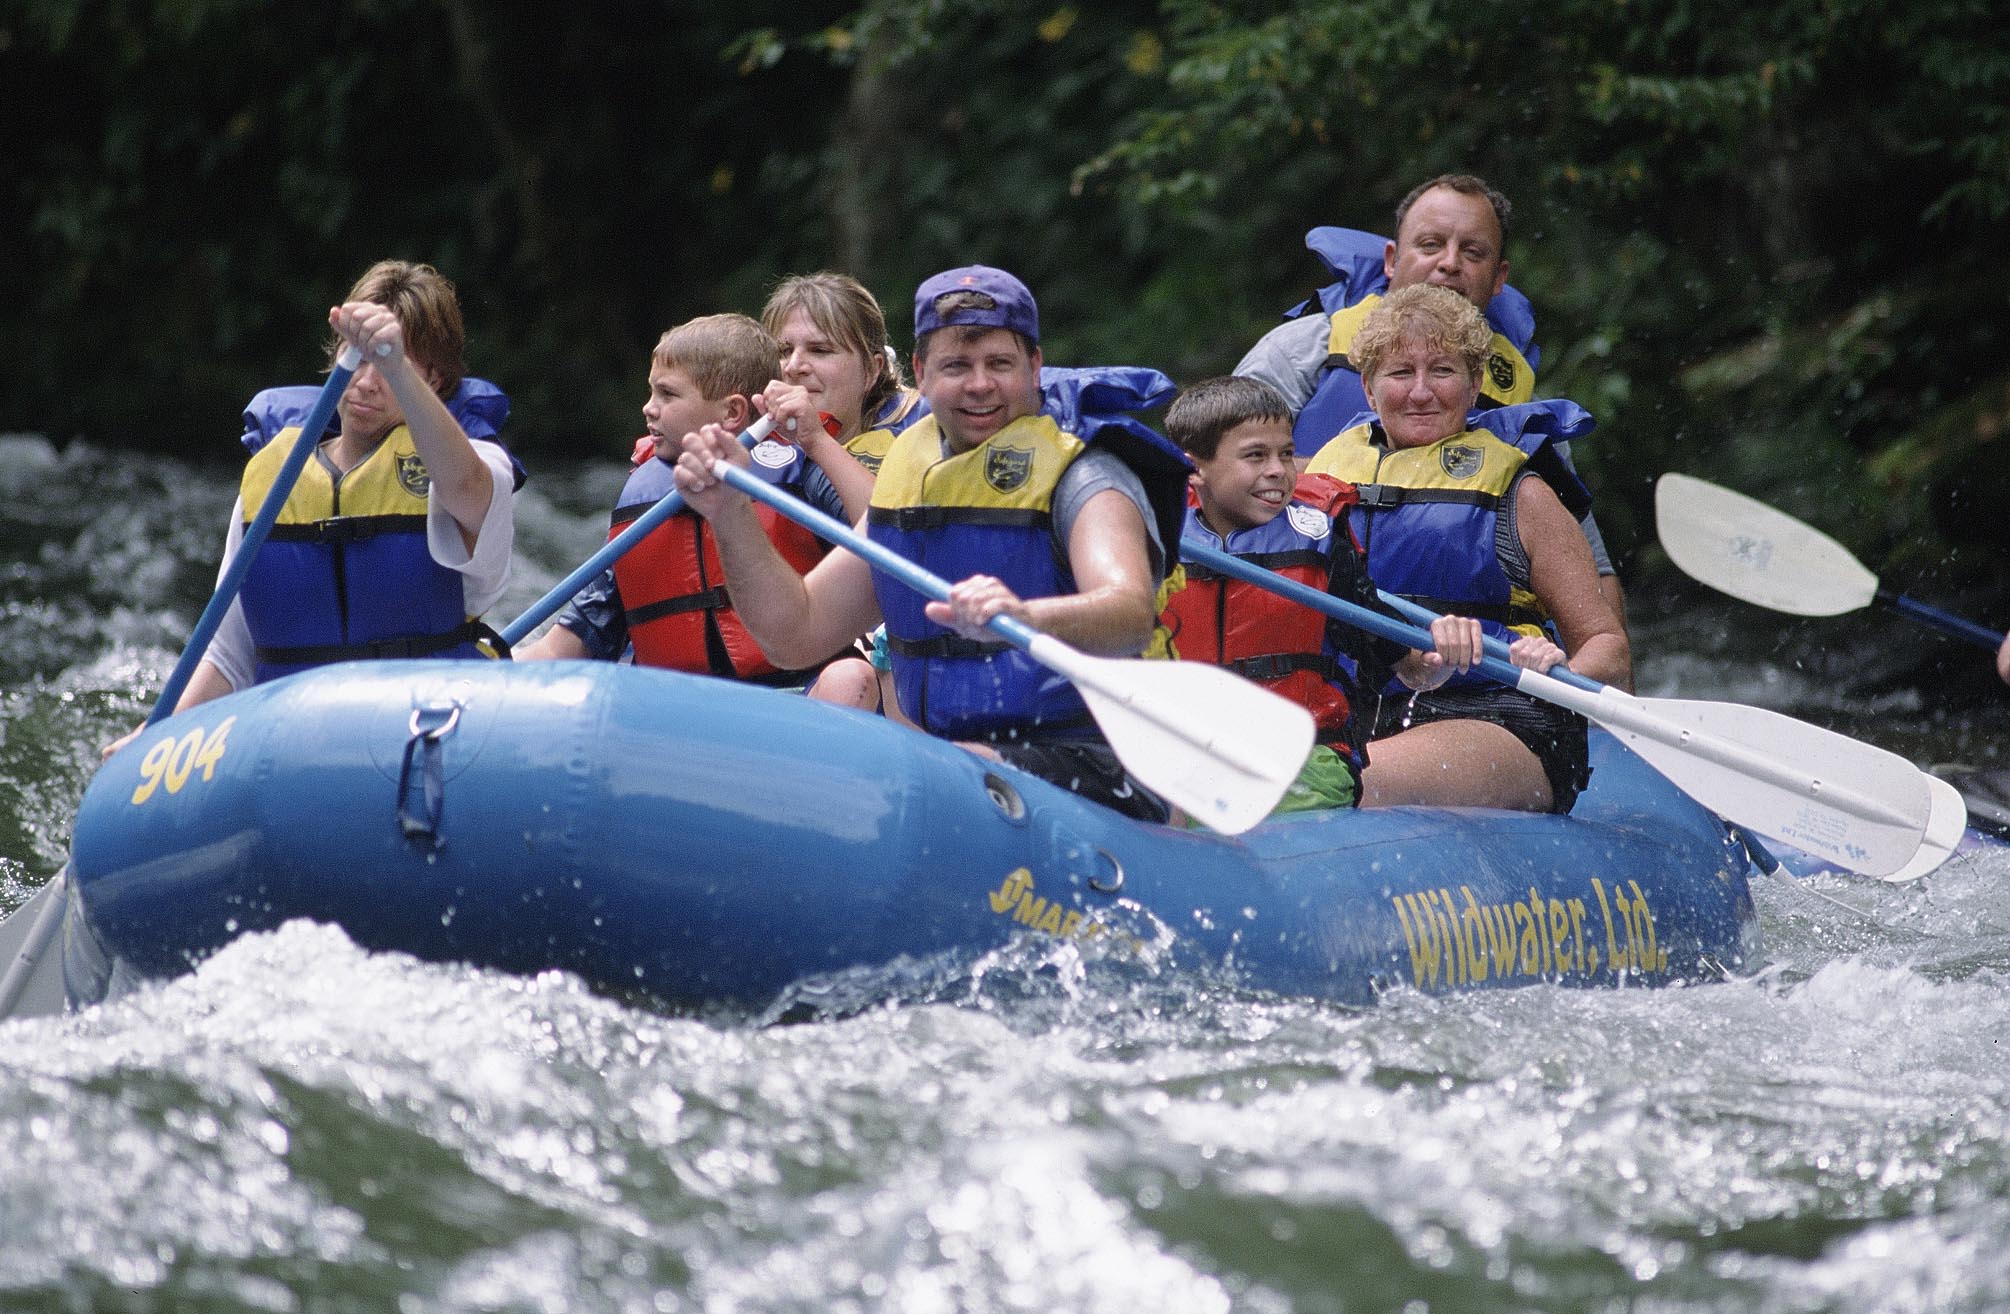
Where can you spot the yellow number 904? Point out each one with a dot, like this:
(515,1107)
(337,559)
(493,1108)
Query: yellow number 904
(171,762)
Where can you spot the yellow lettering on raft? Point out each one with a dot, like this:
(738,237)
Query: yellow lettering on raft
(1472,923)
(1006,895)
(1421,934)
(1450,932)
(1500,941)
(1655,957)
(1617,960)
(170,762)
(1457,940)
(1529,964)
(1014,897)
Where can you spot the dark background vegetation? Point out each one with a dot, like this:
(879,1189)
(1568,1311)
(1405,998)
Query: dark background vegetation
(1767,243)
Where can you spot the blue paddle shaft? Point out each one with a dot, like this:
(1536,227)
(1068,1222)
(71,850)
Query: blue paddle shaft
(877,555)
(1495,665)
(1955,627)
(1496,668)
(1495,648)
(227,588)
(617,547)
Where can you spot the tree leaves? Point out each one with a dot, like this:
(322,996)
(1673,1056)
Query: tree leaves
(1753,234)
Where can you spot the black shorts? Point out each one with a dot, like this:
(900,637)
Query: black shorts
(1087,767)
(1557,737)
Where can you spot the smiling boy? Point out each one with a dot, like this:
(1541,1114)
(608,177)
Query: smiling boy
(1247,501)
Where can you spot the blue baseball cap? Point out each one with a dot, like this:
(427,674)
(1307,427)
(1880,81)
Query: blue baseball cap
(993,299)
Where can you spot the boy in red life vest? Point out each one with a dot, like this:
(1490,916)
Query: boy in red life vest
(668,596)
(1247,501)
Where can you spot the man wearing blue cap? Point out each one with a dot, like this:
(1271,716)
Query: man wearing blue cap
(1038,513)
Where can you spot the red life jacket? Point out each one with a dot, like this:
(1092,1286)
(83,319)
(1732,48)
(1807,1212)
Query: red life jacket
(673,587)
(1263,637)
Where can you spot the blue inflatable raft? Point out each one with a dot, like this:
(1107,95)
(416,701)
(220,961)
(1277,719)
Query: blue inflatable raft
(706,844)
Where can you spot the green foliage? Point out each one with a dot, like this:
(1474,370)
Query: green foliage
(1761,239)
(955,144)
(1756,235)
(225,169)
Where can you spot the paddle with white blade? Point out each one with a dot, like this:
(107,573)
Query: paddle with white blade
(32,984)
(1855,805)
(1944,832)
(1761,555)
(1221,749)
(1944,828)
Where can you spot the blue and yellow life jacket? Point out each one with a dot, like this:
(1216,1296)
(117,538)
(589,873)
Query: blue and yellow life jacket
(1430,517)
(1338,401)
(673,587)
(477,405)
(346,573)
(990,511)
(901,412)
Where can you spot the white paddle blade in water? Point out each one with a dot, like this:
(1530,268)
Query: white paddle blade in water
(1756,554)
(1826,794)
(1221,749)
(1943,832)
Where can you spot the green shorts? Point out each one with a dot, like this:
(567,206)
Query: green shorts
(1325,781)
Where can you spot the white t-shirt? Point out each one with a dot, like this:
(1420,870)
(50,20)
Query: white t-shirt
(484,571)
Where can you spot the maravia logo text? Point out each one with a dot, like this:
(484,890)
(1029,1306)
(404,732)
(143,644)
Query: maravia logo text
(1015,898)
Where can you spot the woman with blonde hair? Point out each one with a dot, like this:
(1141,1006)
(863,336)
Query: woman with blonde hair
(1472,512)
(834,347)
(836,360)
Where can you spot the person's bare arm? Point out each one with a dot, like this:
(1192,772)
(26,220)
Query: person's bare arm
(798,620)
(1110,613)
(1109,553)
(1615,596)
(790,405)
(555,644)
(460,481)
(852,480)
(1563,577)
(206,685)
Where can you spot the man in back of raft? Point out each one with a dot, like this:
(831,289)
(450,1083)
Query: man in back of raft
(1031,521)
(1450,232)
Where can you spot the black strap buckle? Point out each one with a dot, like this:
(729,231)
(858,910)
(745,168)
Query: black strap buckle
(345,529)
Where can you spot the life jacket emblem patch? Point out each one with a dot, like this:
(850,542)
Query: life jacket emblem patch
(1308,521)
(772,454)
(1008,468)
(1500,371)
(412,476)
(1461,460)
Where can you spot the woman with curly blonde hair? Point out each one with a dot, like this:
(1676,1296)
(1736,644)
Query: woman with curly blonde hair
(1471,511)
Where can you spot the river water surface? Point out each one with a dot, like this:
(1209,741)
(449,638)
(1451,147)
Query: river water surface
(302,1127)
